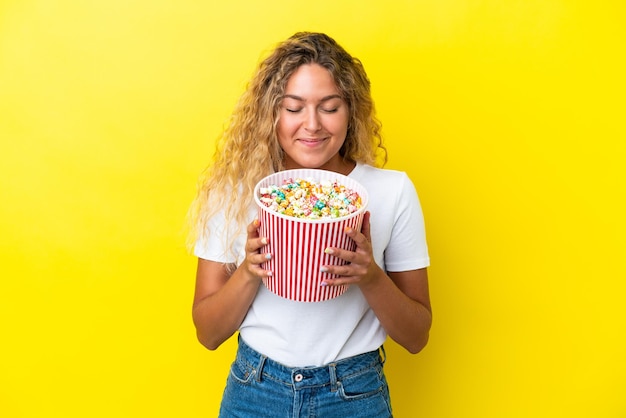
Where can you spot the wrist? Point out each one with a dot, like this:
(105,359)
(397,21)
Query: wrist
(373,280)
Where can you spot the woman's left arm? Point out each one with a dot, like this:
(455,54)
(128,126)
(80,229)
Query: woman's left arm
(400,300)
(402,305)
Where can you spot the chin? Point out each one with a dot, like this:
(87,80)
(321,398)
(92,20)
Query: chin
(307,164)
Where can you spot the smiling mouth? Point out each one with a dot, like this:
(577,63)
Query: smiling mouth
(312,140)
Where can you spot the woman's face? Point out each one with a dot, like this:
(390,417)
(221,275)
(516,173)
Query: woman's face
(313,121)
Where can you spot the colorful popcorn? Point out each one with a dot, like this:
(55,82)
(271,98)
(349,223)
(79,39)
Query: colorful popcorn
(308,199)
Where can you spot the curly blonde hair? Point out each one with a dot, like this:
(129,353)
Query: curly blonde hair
(248,149)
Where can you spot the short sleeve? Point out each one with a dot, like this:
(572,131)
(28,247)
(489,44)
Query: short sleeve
(213,246)
(407,248)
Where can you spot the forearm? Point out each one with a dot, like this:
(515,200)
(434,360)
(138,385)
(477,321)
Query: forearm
(218,316)
(406,321)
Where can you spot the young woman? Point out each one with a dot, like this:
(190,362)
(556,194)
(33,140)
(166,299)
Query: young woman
(308,106)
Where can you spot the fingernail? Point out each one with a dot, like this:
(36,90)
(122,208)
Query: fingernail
(257,222)
(268,256)
(323,284)
(328,251)
(263,240)
(270,274)
(323,269)
(347,229)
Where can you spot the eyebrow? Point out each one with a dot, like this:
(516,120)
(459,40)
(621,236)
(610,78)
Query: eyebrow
(324,99)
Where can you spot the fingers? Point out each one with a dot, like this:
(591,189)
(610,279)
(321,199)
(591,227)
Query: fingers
(254,257)
(254,242)
(346,270)
(362,243)
(359,262)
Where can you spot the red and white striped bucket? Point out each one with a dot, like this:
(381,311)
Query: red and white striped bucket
(297,245)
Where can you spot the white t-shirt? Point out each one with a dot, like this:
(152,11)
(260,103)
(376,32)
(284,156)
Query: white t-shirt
(299,334)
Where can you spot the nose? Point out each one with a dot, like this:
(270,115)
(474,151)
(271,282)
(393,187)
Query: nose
(312,122)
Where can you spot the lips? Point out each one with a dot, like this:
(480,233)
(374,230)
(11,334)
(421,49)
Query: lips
(312,140)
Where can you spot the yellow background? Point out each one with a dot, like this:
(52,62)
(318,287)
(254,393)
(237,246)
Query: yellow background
(507,115)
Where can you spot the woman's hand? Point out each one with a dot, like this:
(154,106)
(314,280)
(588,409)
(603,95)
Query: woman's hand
(254,259)
(399,299)
(361,268)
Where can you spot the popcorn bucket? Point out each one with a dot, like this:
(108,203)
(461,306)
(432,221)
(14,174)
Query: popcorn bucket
(297,244)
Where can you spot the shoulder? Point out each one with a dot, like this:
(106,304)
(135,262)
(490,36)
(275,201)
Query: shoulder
(382,179)
(371,172)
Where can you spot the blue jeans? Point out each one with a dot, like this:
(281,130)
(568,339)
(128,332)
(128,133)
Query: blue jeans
(261,387)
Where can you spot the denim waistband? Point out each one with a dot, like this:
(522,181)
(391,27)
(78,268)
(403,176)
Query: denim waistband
(307,377)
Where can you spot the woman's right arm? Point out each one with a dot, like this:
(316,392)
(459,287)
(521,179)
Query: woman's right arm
(221,300)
